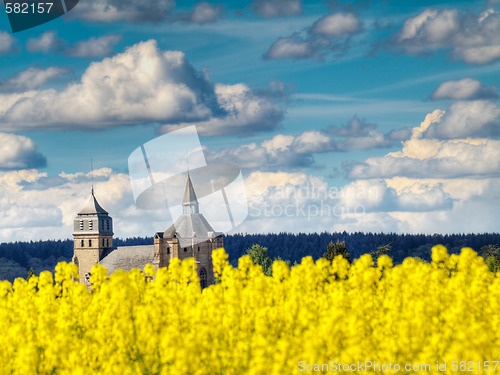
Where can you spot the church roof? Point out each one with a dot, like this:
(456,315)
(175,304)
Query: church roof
(128,257)
(189,194)
(92,207)
(188,224)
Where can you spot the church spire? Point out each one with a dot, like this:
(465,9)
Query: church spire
(190,202)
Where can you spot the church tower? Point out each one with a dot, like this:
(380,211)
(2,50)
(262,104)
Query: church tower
(190,236)
(93,235)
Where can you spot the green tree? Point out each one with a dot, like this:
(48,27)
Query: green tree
(493,263)
(31,272)
(336,249)
(259,256)
(491,254)
(380,250)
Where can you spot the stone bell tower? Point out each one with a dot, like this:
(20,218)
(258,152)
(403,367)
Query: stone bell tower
(93,235)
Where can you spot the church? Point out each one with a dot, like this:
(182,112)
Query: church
(190,236)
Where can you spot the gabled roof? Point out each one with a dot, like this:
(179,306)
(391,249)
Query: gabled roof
(92,207)
(189,194)
(190,225)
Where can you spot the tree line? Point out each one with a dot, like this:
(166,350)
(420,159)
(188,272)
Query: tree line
(18,258)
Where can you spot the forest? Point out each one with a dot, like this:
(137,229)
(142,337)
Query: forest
(18,258)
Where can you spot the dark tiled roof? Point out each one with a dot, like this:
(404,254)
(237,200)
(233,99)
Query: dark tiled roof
(190,225)
(128,257)
(92,207)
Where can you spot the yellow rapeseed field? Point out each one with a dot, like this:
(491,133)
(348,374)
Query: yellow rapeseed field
(317,317)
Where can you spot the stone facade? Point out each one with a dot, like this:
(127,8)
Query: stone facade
(190,236)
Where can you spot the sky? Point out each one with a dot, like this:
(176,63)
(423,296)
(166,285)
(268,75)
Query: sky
(372,116)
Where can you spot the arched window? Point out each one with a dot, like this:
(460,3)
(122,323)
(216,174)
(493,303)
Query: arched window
(90,243)
(198,248)
(203,278)
(82,244)
(103,243)
(185,249)
(107,242)
(168,250)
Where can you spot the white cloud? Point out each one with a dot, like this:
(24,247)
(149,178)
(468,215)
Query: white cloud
(473,38)
(19,152)
(330,34)
(336,25)
(203,12)
(32,78)
(276,8)
(47,42)
(295,151)
(376,196)
(476,118)
(143,84)
(464,89)
(7,42)
(123,10)
(291,48)
(468,154)
(245,112)
(36,206)
(94,47)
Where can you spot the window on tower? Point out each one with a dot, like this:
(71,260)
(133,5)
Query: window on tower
(168,250)
(91,225)
(107,225)
(90,243)
(82,244)
(81,224)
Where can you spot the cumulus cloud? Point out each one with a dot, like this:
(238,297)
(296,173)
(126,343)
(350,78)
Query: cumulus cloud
(473,38)
(276,8)
(330,34)
(94,47)
(476,118)
(361,135)
(301,202)
(36,206)
(424,157)
(297,151)
(19,152)
(279,152)
(7,42)
(292,47)
(203,12)
(123,10)
(465,89)
(336,25)
(244,112)
(143,84)
(32,78)
(47,42)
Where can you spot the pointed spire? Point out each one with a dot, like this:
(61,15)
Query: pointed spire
(190,202)
(189,194)
(92,207)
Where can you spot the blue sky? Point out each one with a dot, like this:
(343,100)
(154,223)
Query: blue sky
(385,113)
